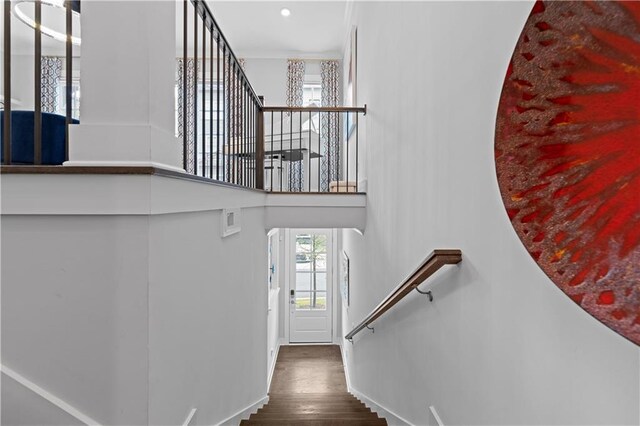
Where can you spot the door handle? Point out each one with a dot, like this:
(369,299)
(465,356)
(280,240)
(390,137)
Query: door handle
(292,299)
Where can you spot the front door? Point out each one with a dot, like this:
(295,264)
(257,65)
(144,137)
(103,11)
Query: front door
(310,287)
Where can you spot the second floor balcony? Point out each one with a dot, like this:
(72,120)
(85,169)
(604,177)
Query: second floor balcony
(157,84)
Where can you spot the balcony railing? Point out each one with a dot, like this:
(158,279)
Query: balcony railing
(312,149)
(226,132)
(218,110)
(22,131)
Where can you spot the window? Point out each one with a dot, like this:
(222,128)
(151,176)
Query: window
(61,100)
(312,94)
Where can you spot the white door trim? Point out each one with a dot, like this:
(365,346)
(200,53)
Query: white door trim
(287,284)
(331,257)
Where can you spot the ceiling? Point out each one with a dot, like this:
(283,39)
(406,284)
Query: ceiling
(256,29)
(22,36)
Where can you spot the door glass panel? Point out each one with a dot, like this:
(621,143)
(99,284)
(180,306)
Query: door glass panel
(311,272)
(321,281)
(303,301)
(303,281)
(320,263)
(319,300)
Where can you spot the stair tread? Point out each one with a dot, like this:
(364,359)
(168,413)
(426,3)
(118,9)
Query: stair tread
(311,416)
(316,422)
(312,395)
(314,409)
(315,401)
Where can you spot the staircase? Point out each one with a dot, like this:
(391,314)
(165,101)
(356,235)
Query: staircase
(309,389)
(323,409)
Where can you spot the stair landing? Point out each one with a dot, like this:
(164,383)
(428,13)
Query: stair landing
(309,388)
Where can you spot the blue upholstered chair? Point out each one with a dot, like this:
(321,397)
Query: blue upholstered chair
(53,137)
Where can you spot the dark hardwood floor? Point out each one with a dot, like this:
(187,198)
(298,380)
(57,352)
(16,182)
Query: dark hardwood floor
(309,388)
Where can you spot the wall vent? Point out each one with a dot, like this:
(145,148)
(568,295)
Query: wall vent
(231,221)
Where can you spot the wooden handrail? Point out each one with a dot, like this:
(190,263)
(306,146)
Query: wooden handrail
(436,260)
(314,109)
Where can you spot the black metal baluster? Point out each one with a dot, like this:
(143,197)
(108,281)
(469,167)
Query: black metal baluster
(228,116)
(357,157)
(254,133)
(211,103)
(301,166)
(185,68)
(37,114)
(195,87)
(243,96)
(234,132)
(309,150)
(290,150)
(255,147)
(204,96)
(225,104)
(271,148)
(238,125)
(6,137)
(329,151)
(281,147)
(319,150)
(251,151)
(69,75)
(247,131)
(346,148)
(218,112)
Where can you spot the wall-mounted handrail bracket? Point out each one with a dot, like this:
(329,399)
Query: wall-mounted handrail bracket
(373,330)
(436,260)
(428,293)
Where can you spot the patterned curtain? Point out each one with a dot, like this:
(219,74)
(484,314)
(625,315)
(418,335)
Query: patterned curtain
(51,69)
(189,108)
(330,124)
(295,82)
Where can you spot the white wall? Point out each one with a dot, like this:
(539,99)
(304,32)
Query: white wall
(133,319)
(208,311)
(28,408)
(121,299)
(74,311)
(500,344)
(269,79)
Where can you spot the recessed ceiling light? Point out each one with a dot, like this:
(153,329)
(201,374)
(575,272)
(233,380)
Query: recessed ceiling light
(285,12)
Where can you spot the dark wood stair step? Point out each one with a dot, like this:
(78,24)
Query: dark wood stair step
(313,416)
(315,400)
(314,409)
(333,395)
(316,422)
(312,402)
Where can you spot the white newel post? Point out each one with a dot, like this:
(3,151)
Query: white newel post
(128,83)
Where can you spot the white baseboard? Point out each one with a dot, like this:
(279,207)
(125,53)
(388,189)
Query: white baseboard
(345,365)
(48,396)
(190,417)
(435,415)
(392,418)
(272,369)
(236,418)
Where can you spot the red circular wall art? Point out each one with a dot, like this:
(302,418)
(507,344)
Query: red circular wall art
(568,153)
